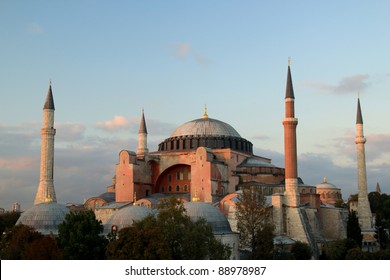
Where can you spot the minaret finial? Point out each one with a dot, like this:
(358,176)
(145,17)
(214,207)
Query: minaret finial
(289,60)
(205,116)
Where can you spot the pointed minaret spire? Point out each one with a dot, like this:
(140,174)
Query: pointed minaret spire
(378,188)
(363,211)
(142,126)
(289,85)
(359,118)
(142,137)
(46,192)
(290,145)
(49,104)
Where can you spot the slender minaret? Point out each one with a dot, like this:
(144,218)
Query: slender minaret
(364,212)
(45,192)
(142,137)
(290,145)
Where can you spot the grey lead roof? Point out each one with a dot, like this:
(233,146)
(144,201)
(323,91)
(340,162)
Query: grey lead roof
(49,104)
(218,221)
(205,127)
(44,217)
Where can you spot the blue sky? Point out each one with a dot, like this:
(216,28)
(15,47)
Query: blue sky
(110,59)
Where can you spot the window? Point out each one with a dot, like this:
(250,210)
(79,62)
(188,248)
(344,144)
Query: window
(162,189)
(177,175)
(178,188)
(169,178)
(185,188)
(170,189)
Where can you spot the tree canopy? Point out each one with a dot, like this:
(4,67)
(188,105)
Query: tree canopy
(22,242)
(254,223)
(80,237)
(170,235)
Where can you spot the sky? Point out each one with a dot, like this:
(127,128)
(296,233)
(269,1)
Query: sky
(108,60)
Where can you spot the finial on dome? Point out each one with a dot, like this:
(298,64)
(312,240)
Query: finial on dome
(205,116)
(324,179)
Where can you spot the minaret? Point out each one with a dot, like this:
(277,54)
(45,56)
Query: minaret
(364,212)
(142,137)
(45,192)
(290,145)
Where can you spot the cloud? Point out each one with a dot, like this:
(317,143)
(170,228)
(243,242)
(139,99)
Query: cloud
(185,50)
(182,50)
(118,123)
(69,132)
(35,28)
(351,84)
(17,163)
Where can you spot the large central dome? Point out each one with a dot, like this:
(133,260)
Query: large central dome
(205,132)
(205,127)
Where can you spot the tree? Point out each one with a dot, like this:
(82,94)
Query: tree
(301,251)
(170,235)
(381,235)
(8,220)
(144,240)
(353,228)
(80,237)
(338,250)
(254,223)
(24,243)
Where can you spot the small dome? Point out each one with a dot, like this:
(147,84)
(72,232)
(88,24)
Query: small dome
(108,196)
(326,185)
(205,127)
(44,217)
(126,216)
(211,214)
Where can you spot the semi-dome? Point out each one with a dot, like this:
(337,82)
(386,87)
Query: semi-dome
(205,127)
(218,221)
(44,217)
(126,216)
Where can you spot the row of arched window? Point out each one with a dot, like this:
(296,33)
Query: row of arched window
(178,188)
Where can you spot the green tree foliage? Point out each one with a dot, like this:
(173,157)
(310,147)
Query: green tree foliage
(254,223)
(8,220)
(170,235)
(338,250)
(381,234)
(144,240)
(80,237)
(23,242)
(353,228)
(375,202)
(301,251)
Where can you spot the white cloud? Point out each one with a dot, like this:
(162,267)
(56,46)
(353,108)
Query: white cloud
(35,28)
(185,50)
(182,50)
(352,84)
(118,123)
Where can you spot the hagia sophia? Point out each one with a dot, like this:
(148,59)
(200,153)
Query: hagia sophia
(205,163)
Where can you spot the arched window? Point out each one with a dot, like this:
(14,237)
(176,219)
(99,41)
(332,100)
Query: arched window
(185,188)
(169,188)
(162,189)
